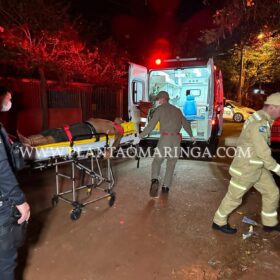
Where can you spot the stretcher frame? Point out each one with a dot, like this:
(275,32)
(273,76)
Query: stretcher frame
(94,172)
(96,176)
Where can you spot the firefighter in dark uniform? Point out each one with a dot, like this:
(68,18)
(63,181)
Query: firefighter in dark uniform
(171,121)
(14,210)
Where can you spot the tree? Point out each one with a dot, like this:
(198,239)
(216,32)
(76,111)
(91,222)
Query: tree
(261,62)
(45,41)
(230,73)
(237,27)
(26,27)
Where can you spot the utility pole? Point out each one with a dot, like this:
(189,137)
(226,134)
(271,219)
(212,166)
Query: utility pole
(241,75)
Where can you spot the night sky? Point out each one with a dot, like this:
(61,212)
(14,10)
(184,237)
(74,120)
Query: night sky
(143,26)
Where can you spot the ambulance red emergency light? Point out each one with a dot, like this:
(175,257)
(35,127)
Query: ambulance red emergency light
(194,85)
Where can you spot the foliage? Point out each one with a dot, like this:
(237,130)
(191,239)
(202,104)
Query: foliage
(37,36)
(261,62)
(230,72)
(239,21)
(247,32)
(44,38)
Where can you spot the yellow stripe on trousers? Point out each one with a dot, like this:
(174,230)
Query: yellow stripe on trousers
(219,213)
(235,171)
(237,186)
(274,214)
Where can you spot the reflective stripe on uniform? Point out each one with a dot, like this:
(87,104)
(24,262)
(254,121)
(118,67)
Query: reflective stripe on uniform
(276,169)
(268,125)
(143,119)
(219,213)
(237,186)
(255,161)
(249,120)
(233,170)
(273,214)
(257,116)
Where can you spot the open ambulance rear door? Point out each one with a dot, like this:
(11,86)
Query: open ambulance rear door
(210,102)
(219,101)
(137,90)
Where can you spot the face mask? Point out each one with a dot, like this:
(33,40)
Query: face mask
(6,107)
(157,103)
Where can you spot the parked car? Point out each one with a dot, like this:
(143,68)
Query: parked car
(237,112)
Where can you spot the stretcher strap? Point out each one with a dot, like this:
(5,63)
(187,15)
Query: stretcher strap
(68,132)
(119,128)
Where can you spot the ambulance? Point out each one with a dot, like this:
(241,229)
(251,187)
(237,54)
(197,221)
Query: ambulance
(194,85)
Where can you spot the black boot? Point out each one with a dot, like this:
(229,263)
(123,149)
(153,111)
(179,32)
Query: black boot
(164,189)
(225,229)
(154,188)
(270,229)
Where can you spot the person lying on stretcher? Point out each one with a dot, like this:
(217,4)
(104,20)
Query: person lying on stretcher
(78,131)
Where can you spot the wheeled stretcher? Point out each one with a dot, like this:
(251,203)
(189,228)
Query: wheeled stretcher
(84,157)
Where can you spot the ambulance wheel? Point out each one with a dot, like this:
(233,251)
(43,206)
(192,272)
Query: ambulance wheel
(54,201)
(112,199)
(237,117)
(76,214)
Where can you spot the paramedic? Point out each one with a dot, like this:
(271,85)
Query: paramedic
(253,167)
(11,198)
(171,121)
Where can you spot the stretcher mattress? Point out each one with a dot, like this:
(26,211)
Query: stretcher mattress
(63,149)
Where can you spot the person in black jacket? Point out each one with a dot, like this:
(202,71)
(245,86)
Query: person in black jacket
(14,210)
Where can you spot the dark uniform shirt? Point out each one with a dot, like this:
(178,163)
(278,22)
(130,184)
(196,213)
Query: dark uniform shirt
(9,187)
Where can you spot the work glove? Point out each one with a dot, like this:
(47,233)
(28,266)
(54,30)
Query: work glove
(276,170)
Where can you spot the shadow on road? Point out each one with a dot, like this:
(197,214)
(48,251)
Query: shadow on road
(35,228)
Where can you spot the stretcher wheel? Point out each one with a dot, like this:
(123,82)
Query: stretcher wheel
(54,201)
(112,199)
(76,214)
(89,191)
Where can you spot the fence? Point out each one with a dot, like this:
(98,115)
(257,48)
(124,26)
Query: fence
(67,104)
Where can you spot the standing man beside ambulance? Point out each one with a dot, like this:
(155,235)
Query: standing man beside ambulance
(14,210)
(171,121)
(253,167)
